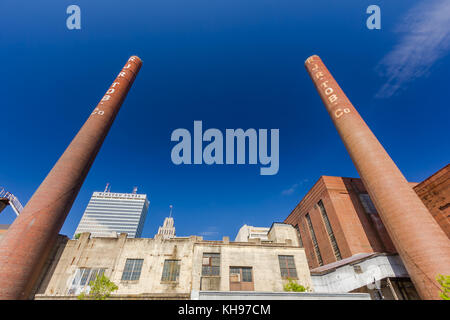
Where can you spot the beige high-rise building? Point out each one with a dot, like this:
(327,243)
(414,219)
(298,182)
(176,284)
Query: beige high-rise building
(167,231)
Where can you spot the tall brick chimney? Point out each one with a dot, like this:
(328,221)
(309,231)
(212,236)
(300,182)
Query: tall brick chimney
(25,247)
(421,243)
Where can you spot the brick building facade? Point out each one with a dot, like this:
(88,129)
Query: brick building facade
(337,219)
(435,194)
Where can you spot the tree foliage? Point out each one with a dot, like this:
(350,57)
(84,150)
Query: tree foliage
(101,289)
(293,286)
(444,281)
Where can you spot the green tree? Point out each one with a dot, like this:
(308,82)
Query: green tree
(101,289)
(77,236)
(444,281)
(293,286)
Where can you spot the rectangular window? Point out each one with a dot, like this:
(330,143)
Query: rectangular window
(83,277)
(367,203)
(132,270)
(241,279)
(337,252)
(287,267)
(171,270)
(314,240)
(300,240)
(211,264)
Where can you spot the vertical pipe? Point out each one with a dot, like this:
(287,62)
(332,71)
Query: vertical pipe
(420,242)
(29,240)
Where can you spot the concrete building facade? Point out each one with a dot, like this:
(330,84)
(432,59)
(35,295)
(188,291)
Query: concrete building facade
(173,268)
(246,233)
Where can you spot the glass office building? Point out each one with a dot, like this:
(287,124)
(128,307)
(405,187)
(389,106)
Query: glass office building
(109,213)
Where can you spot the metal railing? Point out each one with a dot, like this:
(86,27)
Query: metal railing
(12,200)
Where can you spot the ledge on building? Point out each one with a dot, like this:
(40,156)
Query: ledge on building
(255,295)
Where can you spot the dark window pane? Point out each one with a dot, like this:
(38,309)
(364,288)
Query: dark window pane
(314,240)
(247,274)
(327,223)
(132,270)
(171,270)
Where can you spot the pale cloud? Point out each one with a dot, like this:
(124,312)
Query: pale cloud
(425,38)
(293,188)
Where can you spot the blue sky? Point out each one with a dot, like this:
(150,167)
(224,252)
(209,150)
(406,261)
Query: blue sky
(231,64)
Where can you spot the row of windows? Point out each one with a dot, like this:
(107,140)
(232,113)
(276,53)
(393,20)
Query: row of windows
(124,208)
(112,224)
(171,271)
(135,206)
(210,267)
(108,223)
(112,212)
(106,212)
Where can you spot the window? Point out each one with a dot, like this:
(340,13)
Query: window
(300,240)
(287,267)
(241,279)
(367,203)
(132,270)
(314,240)
(83,278)
(337,252)
(171,270)
(211,264)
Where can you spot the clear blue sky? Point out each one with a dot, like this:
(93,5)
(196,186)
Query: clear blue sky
(231,64)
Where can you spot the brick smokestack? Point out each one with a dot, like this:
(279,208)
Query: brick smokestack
(26,246)
(421,243)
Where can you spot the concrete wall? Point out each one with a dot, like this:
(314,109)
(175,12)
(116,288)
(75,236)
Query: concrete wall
(352,276)
(262,258)
(246,295)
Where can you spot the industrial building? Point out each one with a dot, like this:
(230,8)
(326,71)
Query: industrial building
(344,237)
(173,268)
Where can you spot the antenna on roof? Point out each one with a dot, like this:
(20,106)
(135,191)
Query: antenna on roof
(106,188)
(170,214)
(134,190)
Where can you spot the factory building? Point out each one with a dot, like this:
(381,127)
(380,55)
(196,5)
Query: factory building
(173,268)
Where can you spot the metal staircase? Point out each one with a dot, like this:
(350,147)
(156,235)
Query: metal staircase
(7,198)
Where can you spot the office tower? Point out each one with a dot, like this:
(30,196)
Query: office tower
(110,213)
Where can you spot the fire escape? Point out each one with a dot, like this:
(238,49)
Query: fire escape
(7,198)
